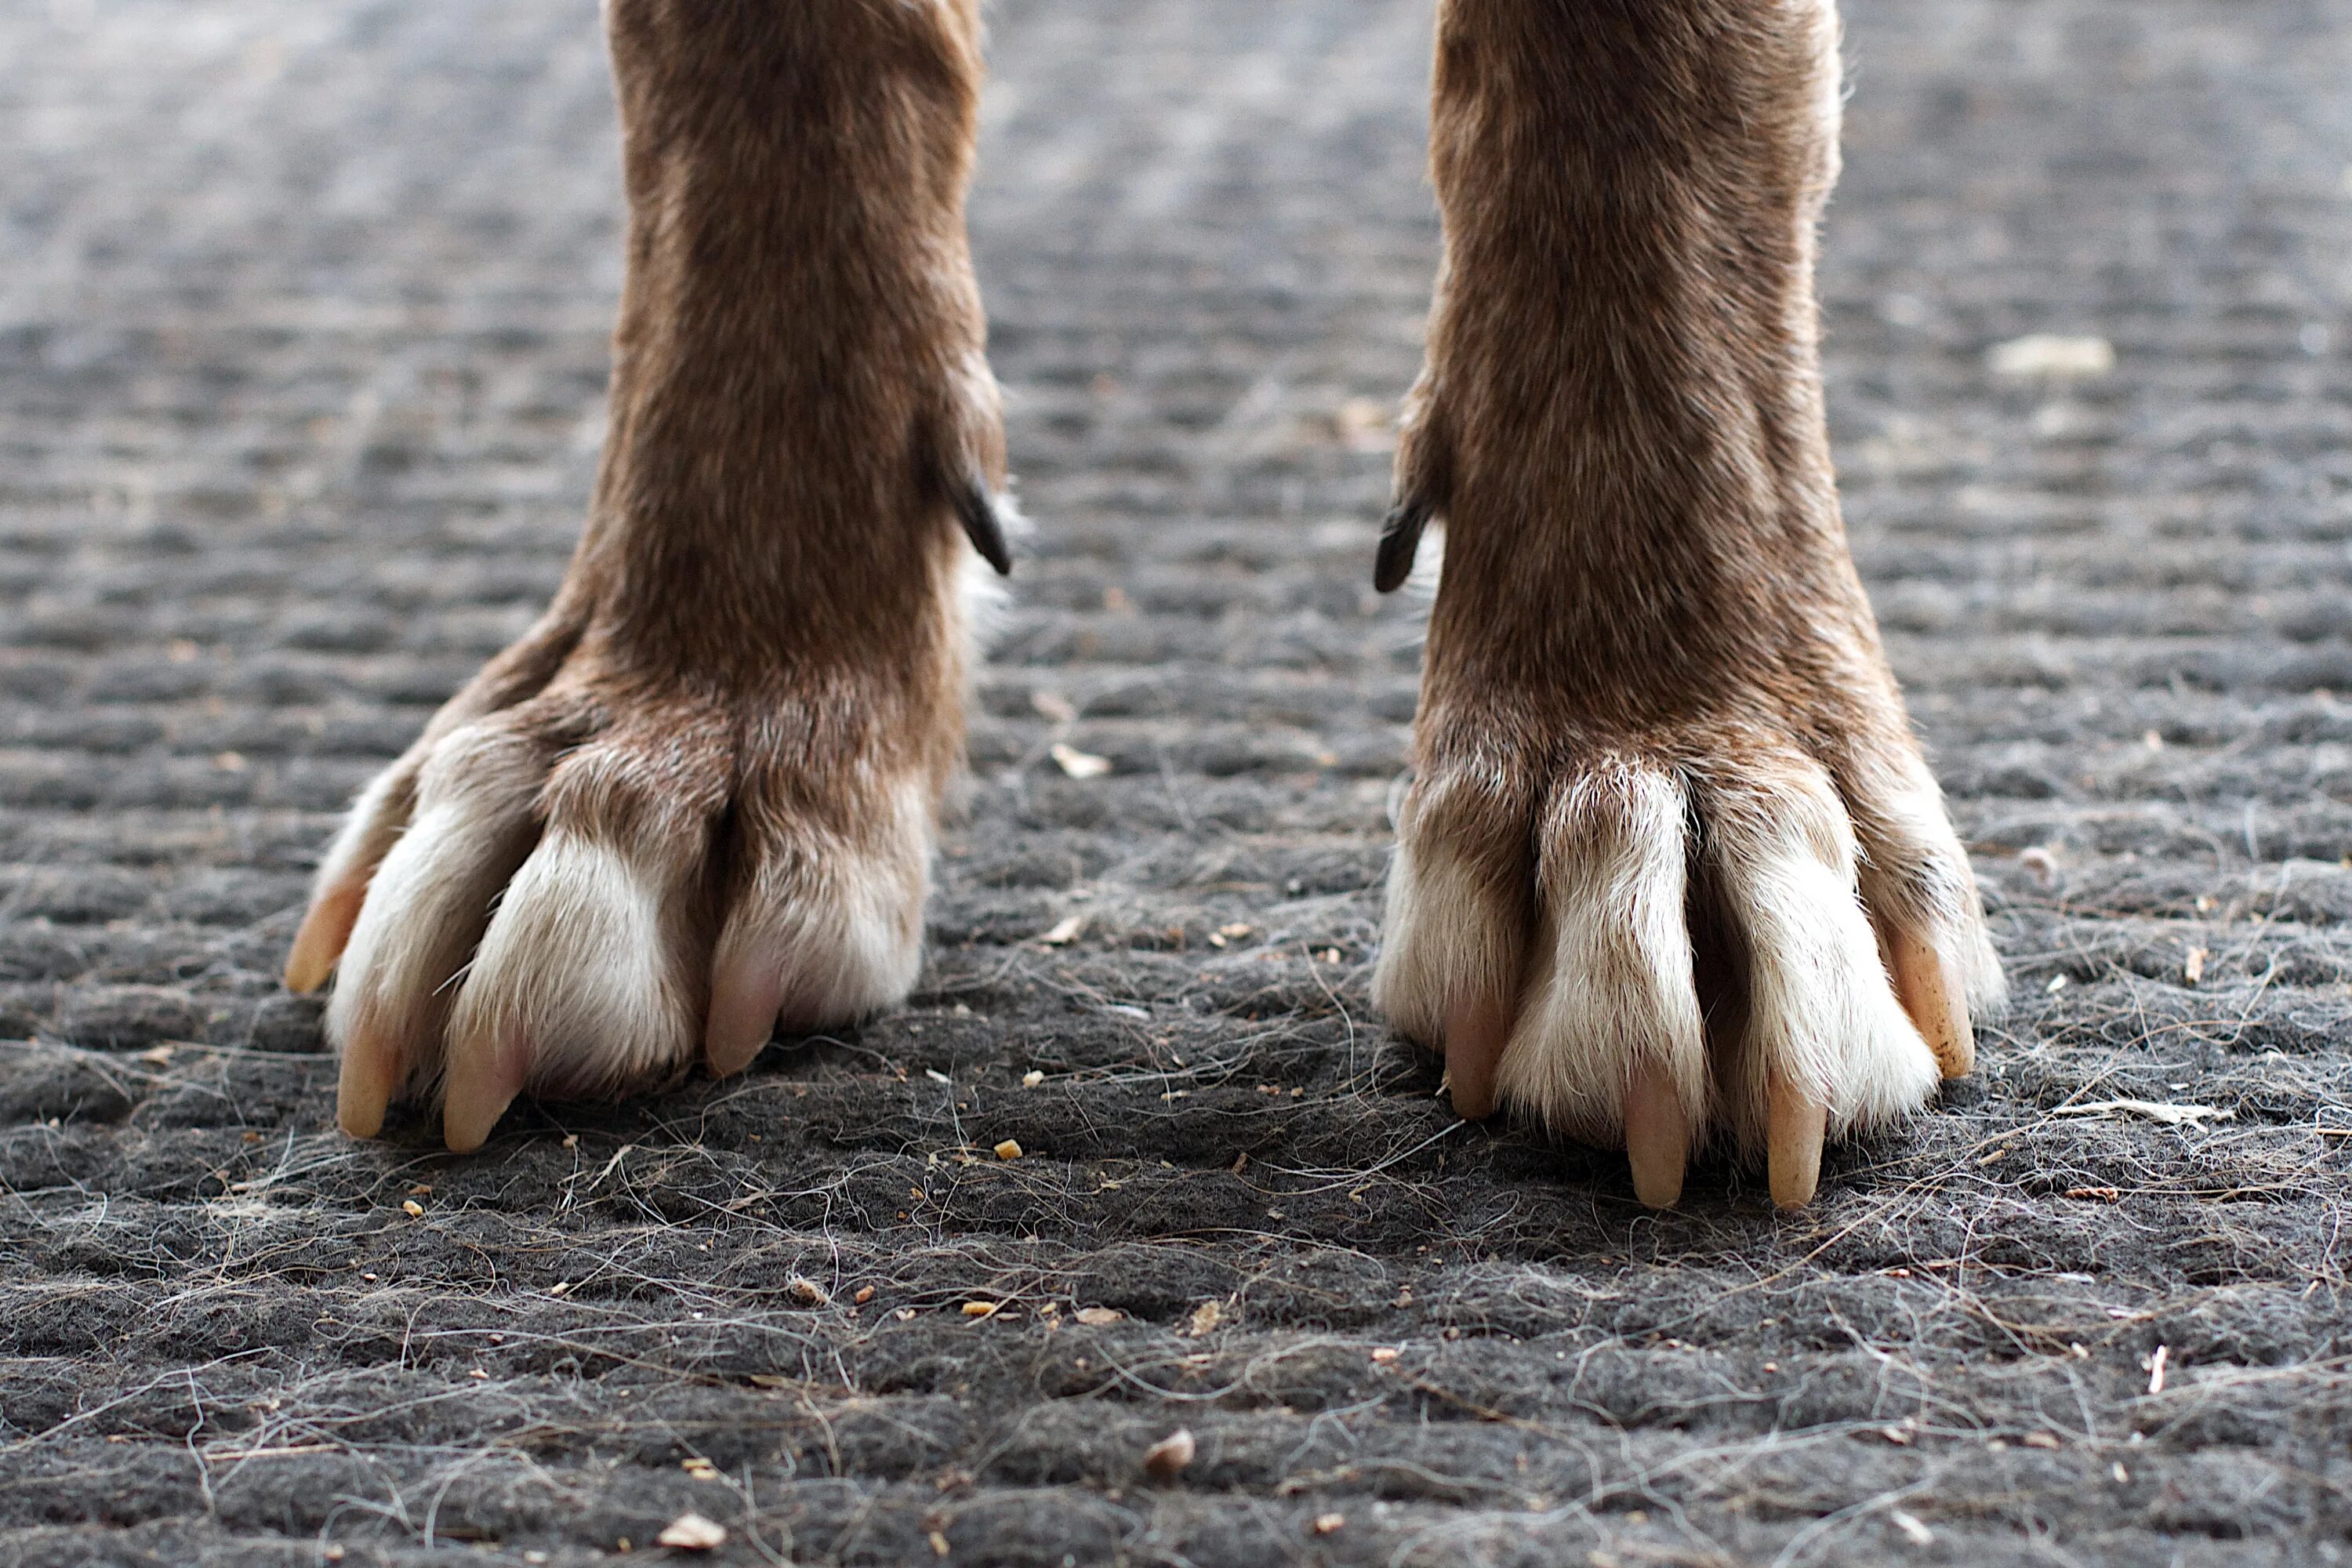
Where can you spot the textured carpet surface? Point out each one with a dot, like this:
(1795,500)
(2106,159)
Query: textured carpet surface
(302,340)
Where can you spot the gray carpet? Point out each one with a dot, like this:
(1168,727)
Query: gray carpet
(302,317)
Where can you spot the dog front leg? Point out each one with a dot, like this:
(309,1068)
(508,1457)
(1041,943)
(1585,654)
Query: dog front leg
(1671,865)
(695,804)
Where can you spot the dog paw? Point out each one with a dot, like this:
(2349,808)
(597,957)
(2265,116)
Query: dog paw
(584,879)
(1655,941)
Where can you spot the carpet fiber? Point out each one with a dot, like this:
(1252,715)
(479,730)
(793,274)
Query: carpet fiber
(302,345)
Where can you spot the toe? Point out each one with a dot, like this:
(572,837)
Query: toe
(384,809)
(1827,1048)
(1916,881)
(376,821)
(1450,967)
(822,923)
(424,911)
(583,986)
(590,980)
(1609,1043)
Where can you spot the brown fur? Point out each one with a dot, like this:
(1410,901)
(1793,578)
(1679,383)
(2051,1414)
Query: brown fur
(1658,749)
(1621,422)
(758,636)
(1621,416)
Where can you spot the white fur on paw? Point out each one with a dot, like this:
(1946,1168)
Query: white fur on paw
(1914,873)
(554,899)
(1580,926)
(1456,929)
(584,967)
(1822,1017)
(1609,983)
(373,826)
(432,893)
(825,932)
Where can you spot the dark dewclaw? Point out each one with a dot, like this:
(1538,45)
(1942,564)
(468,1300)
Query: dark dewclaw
(300,362)
(1400,541)
(976,509)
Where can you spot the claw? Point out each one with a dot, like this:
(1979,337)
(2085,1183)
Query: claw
(745,995)
(976,508)
(1794,1123)
(1925,984)
(1400,541)
(1657,1136)
(1475,1032)
(486,1070)
(372,1069)
(375,823)
(325,930)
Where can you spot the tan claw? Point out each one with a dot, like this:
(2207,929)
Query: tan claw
(372,1069)
(1657,1136)
(1929,992)
(1475,1032)
(1794,1125)
(325,930)
(746,994)
(486,1070)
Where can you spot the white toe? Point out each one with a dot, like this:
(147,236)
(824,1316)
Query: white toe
(1610,982)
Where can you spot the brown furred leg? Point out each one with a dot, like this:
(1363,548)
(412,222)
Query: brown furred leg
(1649,642)
(697,803)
